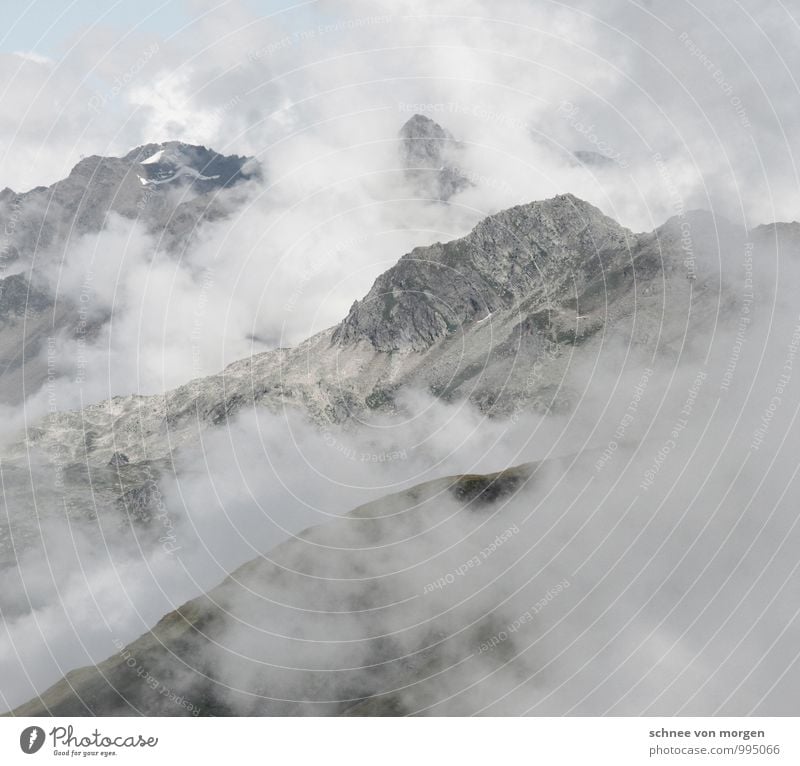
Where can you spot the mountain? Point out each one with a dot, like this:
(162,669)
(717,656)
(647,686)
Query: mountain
(525,256)
(593,159)
(349,638)
(468,319)
(503,594)
(540,308)
(431,158)
(176,164)
(27,317)
(502,318)
(141,185)
(171,188)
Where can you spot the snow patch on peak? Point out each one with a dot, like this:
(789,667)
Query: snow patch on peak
(153,159)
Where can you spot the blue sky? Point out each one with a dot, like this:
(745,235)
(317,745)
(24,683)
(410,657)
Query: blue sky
(42,26)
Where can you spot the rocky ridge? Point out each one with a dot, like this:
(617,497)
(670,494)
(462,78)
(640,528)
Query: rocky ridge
(466,319)
(171,188)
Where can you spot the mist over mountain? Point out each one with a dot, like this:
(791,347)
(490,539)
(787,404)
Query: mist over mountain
(415,361)
(430,155)
(545,589)
(168,189)
(477,353)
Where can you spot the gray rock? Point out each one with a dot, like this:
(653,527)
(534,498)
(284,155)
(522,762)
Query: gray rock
(593,159)
(530,250)
(119,459)
(172,196)
(430,155)
(526,290)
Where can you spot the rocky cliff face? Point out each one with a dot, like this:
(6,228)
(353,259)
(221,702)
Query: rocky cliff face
(29,317)
(533,254)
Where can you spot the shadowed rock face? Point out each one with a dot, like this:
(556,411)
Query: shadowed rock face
(430,155)
(593,159)
(18,296)
(28,318)
(177,164)
(527,251)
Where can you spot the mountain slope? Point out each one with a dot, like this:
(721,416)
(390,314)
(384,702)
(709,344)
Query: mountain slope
(310,578)
(529,288)
(513,318)
(511,593)
(576,301)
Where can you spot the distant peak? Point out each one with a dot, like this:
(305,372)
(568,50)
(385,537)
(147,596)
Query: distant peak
(178,162)
(420,126)
(432,158)
(419,119)
(172,148)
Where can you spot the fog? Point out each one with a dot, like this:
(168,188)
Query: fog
(674,527)
(694,470)
(686,111)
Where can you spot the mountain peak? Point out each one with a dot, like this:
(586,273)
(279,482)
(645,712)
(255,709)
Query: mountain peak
(431,157)
(420,126)
(174,162)
(556,219)
(534,251)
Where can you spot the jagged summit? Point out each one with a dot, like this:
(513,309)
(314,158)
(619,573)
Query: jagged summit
(453,318)
(171,164)
(424,141)
(523,252)
(430,156)
(170,188)
(176,163)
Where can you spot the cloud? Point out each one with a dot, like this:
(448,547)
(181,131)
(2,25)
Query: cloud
(665,96)
(694,111)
